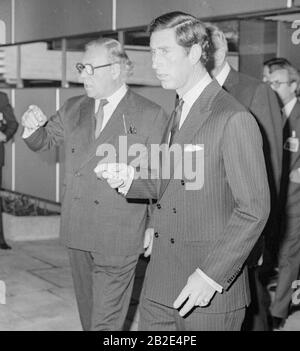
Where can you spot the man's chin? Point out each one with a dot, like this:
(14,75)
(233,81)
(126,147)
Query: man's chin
(167,85)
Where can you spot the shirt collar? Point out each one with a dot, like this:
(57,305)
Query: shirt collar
(192,95)
(288,108)
(115,98)
(222,76)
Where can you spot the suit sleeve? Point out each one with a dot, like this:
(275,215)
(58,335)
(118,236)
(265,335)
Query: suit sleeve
(10,119)
(246,174)
(48,136)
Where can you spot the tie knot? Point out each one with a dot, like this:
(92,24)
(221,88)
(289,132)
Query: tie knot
(103,102)
(179,104)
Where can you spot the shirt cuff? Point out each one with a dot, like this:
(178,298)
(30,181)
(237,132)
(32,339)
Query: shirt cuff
(127,182)
(211,282)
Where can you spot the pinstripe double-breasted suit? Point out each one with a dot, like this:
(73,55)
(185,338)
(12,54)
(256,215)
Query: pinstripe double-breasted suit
(94,219)
(213,228)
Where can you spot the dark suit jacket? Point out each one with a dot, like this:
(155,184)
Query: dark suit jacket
(262,102)
(292,162)
(8,125)
(213,228)
(93,217)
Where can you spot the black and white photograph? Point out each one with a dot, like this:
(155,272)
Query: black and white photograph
(150,168)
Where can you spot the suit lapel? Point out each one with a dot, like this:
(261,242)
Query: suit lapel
(196,118)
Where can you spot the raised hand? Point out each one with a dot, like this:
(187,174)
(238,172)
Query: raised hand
(33,118)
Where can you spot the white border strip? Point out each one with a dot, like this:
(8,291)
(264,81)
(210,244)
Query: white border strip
(13,147)
(114,14)
(57,165)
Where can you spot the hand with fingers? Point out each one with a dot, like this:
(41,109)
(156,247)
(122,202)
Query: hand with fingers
(197,292)
(33,118)
(116,174)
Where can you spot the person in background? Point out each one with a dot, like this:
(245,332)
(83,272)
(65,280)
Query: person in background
(269,63)
(262,103)
(8,127)
(103,232)
(203,232)
(284,79)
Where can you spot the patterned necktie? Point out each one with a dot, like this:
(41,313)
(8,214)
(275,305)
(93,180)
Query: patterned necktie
(176,115)
(99,117)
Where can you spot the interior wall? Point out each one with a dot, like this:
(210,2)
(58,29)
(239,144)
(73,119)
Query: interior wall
(35,172)
(44,19)
(39,19)
(141,12)
(6,16)
(286,47)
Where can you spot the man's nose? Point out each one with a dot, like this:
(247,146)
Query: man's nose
(155,62)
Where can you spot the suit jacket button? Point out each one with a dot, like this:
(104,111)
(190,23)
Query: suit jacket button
(96,202)
(156,234)
(182,182)
(73,150)
(172,240)
(77,174)
(174,210)
(158,206)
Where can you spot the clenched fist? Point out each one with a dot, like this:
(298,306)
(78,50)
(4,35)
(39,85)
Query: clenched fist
(33,118)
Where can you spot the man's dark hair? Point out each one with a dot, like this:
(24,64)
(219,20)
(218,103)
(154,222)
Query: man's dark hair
(189,30)
(277,61)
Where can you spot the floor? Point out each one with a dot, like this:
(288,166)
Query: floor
(39,290)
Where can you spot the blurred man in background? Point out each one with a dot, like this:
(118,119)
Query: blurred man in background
(284,79)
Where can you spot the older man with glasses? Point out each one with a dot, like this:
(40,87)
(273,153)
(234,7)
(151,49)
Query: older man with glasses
(103,232)
(284,79)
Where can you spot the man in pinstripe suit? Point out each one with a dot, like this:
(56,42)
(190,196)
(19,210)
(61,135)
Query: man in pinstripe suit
(196,279)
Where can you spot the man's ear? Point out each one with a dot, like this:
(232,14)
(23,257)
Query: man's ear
(195,53)
(293,87)
(115,70)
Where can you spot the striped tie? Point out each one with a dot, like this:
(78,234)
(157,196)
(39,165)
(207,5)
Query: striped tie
(99,117)
(176,115)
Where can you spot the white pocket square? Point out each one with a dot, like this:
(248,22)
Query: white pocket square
(193,147)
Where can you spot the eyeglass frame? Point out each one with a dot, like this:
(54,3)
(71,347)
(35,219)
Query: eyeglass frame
(80,70)
(277,84)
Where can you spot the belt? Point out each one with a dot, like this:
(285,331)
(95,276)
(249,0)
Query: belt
(142,201)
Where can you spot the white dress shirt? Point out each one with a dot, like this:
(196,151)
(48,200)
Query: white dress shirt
(113,102)
(192,95)
(223,74)
(288,108)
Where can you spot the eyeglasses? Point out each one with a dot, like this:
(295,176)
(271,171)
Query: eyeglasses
(276,84)
(89,68)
